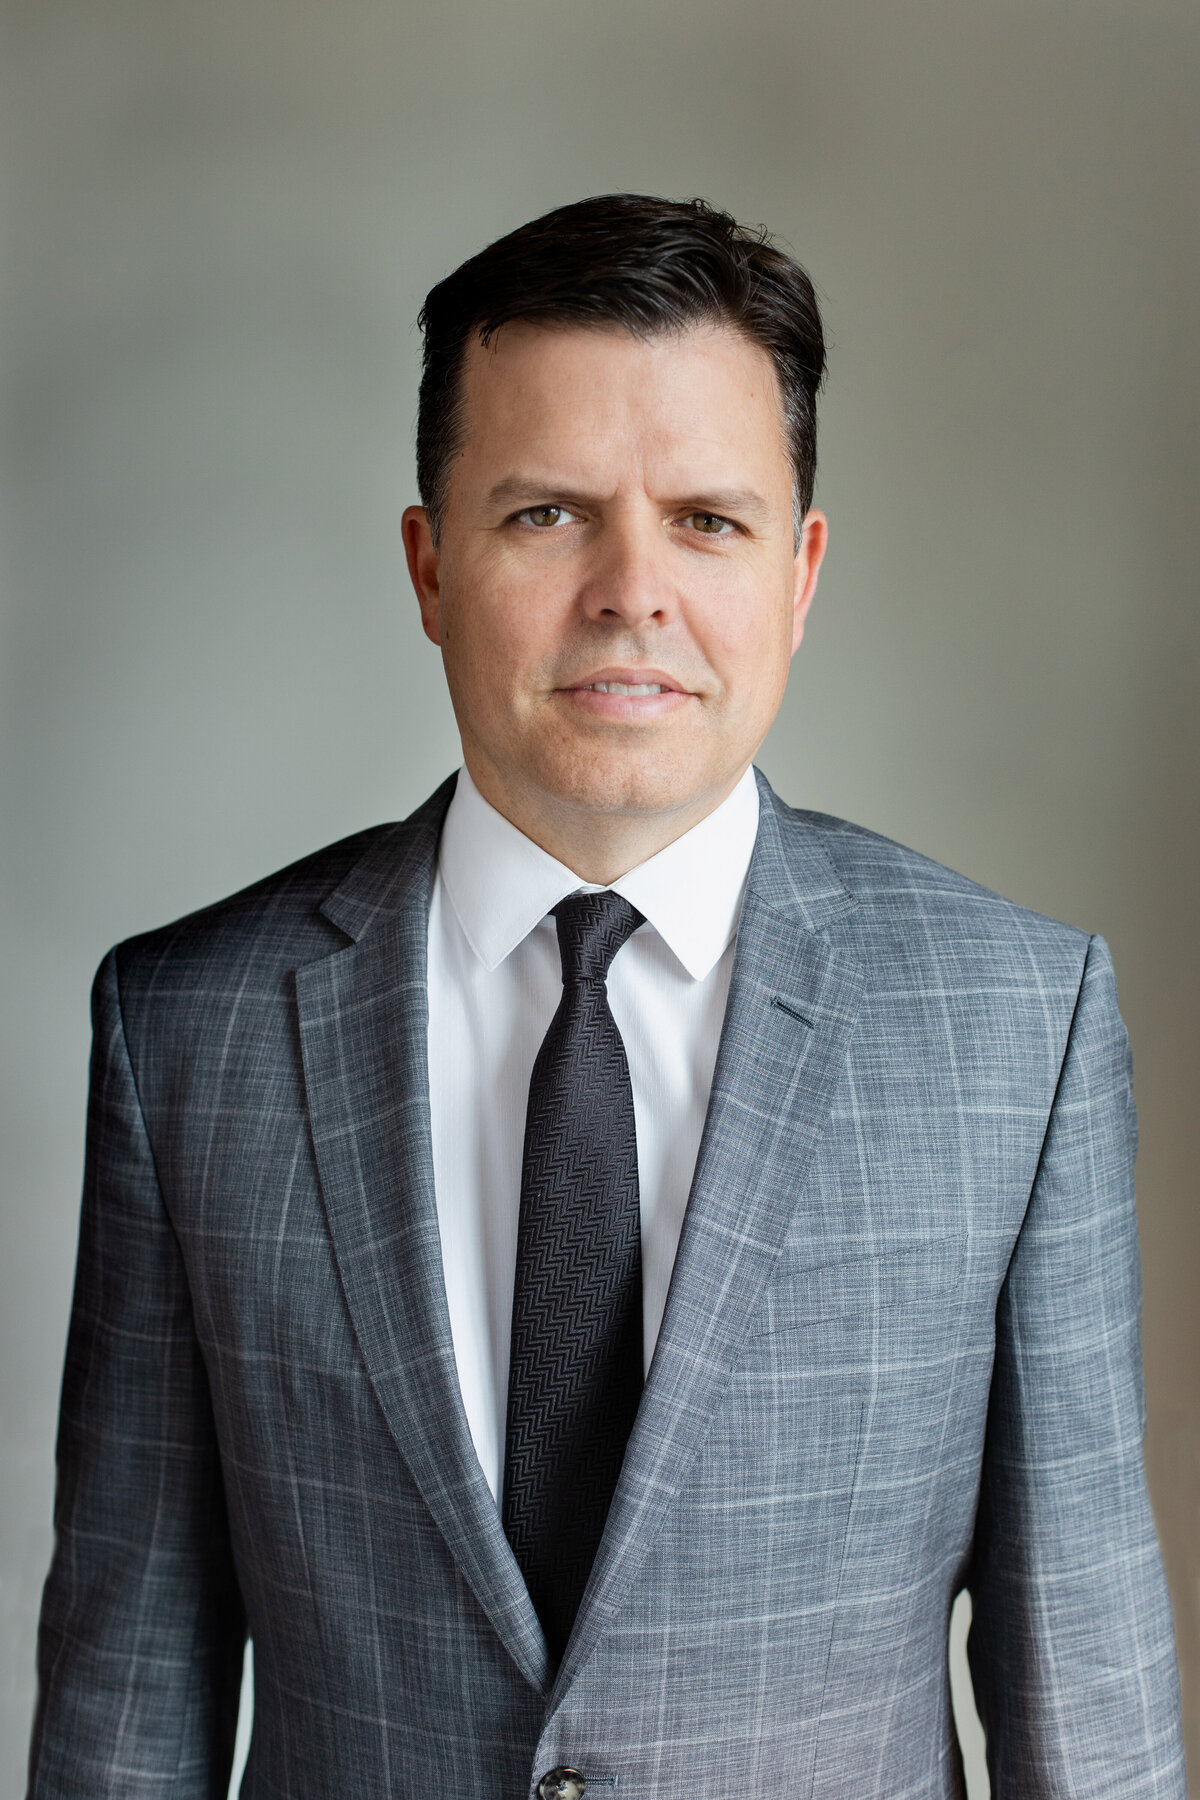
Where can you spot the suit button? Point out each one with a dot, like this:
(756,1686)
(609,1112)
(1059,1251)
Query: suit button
(561,1784)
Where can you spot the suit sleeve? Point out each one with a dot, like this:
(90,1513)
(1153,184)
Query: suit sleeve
(1071,1646)
(142,1627)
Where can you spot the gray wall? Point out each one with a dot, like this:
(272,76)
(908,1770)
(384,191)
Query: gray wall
(218,223)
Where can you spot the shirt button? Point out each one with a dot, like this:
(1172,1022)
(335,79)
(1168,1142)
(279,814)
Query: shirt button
(561,1784)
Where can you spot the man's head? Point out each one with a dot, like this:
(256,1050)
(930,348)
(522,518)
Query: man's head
(616,449)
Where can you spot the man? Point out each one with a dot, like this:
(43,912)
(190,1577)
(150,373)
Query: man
(586,1275)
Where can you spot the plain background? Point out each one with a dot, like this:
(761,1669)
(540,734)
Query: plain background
(219,220)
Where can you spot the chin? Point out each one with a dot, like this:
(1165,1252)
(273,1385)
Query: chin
(637,785)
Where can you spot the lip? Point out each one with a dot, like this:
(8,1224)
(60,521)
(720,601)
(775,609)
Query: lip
(630,677)
(626,708)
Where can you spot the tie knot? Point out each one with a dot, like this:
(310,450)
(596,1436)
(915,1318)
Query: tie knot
(591,929)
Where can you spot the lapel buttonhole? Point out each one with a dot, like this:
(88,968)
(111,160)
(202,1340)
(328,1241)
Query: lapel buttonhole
(792,1013)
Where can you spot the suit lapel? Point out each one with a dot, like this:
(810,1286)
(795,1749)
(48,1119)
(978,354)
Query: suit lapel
(791,1011)
(363,1013)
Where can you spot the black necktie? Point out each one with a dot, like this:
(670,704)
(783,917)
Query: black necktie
(575,1376)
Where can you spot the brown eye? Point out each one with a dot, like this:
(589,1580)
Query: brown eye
(542,515)
(712,524)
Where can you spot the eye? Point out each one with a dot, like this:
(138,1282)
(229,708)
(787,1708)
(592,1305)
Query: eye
(544,517)
(710,524)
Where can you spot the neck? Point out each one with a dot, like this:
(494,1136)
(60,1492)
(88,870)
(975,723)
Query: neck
(597,845)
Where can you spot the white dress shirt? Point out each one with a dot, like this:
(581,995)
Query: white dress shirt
(495,982)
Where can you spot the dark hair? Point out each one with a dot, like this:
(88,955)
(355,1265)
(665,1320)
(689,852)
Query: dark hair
(635,261)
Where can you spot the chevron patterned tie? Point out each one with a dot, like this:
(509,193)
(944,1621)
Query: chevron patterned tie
(575,1375)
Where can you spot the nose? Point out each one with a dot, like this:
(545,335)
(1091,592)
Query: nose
(629,580)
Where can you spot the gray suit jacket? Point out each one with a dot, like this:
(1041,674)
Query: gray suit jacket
(900,1355)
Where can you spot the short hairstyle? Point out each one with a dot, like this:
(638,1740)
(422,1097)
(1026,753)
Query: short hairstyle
(630,260)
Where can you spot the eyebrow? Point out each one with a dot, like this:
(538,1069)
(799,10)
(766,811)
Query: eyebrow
(744,501)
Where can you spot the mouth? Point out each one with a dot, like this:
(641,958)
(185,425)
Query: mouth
(628,694)
(639,691)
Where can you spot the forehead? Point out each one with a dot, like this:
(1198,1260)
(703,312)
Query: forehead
(604,395)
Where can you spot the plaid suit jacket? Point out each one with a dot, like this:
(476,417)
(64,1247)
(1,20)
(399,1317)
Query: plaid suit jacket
(900,1356)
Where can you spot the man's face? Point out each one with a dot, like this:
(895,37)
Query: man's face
(620,516)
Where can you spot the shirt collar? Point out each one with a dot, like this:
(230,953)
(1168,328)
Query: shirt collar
(501,884)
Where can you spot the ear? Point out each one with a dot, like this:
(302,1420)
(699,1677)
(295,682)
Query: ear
(423,569)
(814,537)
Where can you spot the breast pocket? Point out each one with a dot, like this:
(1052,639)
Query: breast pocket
(904,1276)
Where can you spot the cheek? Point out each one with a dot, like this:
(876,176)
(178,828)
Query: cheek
(499,639)
(484,616)
(748,644)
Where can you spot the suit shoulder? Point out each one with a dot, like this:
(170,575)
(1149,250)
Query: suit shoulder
(276,918)
(902,886)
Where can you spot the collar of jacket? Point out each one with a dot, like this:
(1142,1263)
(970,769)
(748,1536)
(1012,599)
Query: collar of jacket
(789,869)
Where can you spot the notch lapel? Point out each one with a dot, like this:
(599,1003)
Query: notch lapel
(363,1017)
(791,1010)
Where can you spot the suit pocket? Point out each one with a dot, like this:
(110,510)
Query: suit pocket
(906,1276)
